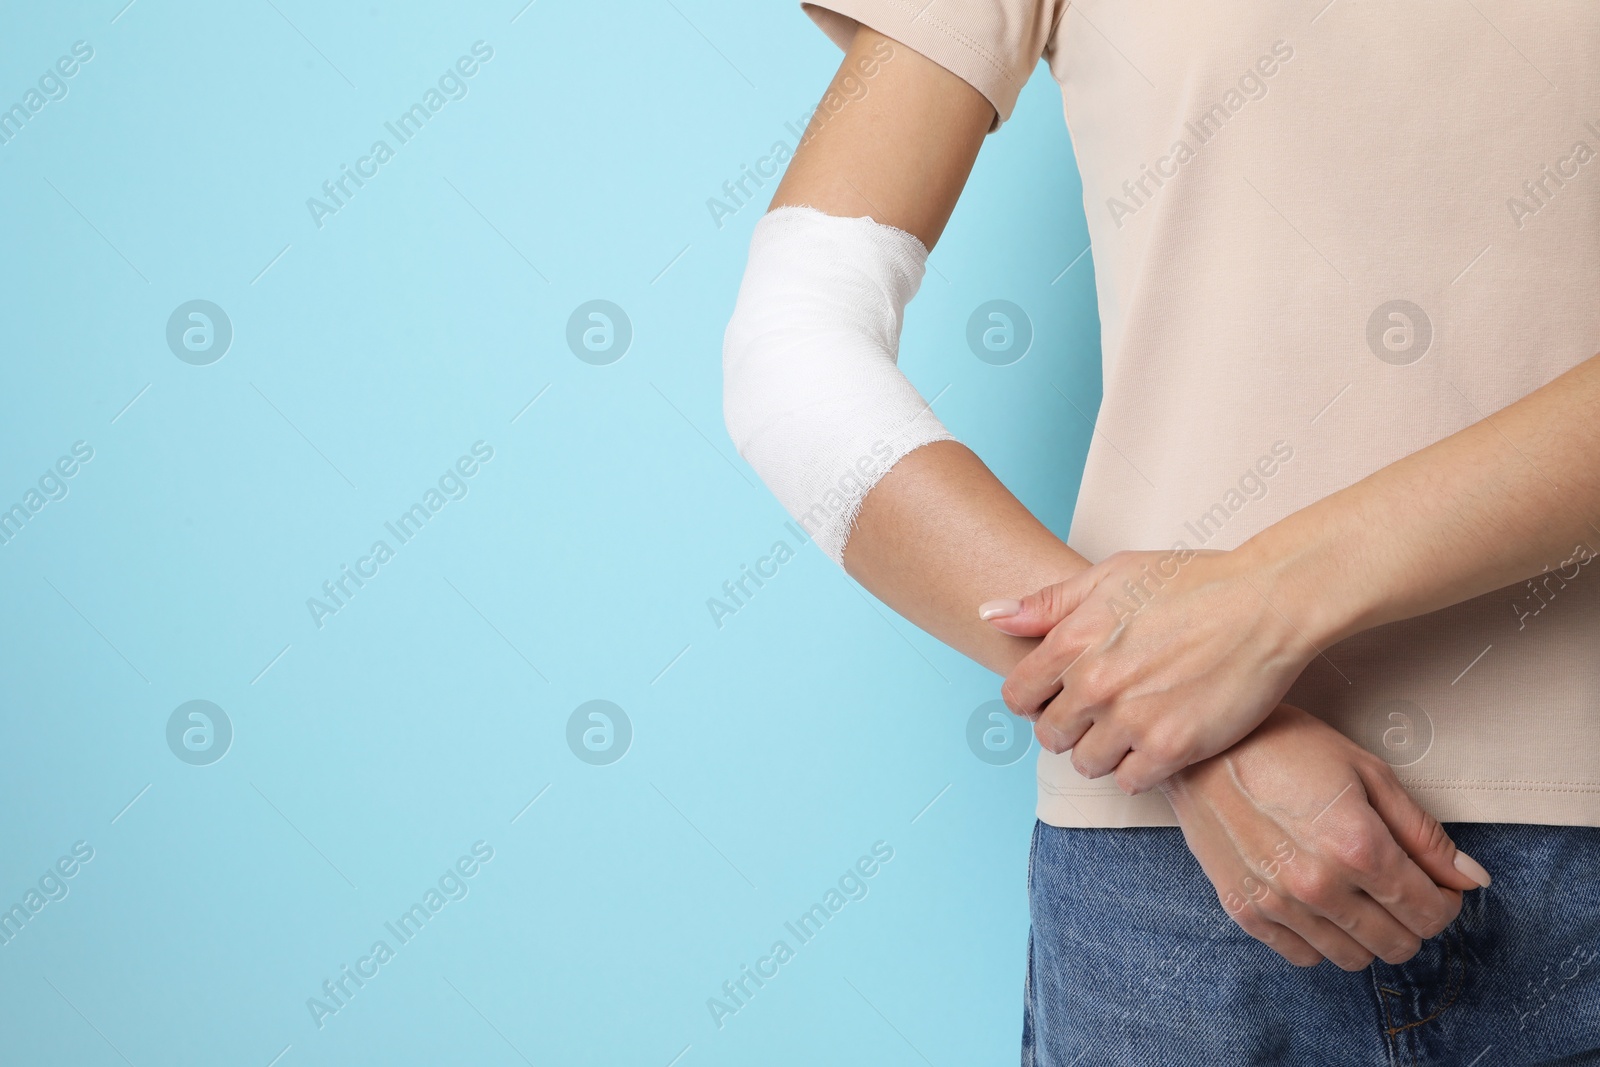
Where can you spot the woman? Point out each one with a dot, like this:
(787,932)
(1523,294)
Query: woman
(1341,501)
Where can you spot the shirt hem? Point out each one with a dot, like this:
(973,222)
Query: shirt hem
(1486,802)
(929,36)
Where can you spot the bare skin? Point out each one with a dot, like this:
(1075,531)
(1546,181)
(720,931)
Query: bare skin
(1215,648)
(1372,872)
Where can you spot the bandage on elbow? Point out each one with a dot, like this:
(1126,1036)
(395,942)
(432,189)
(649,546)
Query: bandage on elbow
(813,395)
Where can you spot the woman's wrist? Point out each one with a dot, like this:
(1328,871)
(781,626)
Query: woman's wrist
(1309,570)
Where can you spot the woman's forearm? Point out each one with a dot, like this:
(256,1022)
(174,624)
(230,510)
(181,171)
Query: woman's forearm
(1508,497)
(939,535)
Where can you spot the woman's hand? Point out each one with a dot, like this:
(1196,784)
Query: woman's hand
(1316,850)
(1150,661)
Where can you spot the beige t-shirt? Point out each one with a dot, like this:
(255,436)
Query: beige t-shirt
(1324,238)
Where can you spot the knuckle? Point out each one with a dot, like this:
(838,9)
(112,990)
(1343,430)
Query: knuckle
(1058,641)
(1359,853)
(1270,909)
(1159,770)
(1285,944)
(1373,773)
(1356,961)
(1167,753)
(1431,928)
(1254,924)
(1021,696)
(1374,766)
(1314,884)
(1403,950)
(1441,920)
(1302,879)
(1049,737)
(1433,838)
(1097,687)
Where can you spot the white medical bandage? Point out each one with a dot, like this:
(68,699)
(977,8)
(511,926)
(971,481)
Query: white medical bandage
(812,394)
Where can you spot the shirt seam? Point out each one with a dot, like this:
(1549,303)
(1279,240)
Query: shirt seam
(1409,783)
(1545,787)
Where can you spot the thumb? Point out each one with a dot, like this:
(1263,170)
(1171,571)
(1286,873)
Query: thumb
(1037,613)
(1420,834)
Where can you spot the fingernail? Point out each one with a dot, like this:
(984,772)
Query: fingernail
(998,609)
(1051,738)
(1471,868)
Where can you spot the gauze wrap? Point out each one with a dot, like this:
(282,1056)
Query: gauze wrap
(813,397)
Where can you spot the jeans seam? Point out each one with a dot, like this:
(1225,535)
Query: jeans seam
(1457,982)
(1391,1033)
(1030,1017)
(1455,961)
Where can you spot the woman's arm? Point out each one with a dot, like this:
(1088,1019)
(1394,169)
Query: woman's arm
(939,533)
(1505,499)
(1145,684)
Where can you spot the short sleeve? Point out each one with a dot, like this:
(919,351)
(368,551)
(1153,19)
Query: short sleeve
(992,45)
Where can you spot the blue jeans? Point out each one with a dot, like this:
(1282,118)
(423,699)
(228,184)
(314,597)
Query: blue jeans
(1132,962)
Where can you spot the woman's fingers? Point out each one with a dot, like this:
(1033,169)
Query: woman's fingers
(1280,939)
(1371,926)
(1417,832)
(1098,751)
(1139,773)
(1317,837)
(1037,613)
(1393,880)
(1052,739)
(1045,673)
(1294,929)
(1060,725)
(1342,950)
(1315,894)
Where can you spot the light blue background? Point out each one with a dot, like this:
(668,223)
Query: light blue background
(768,754)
